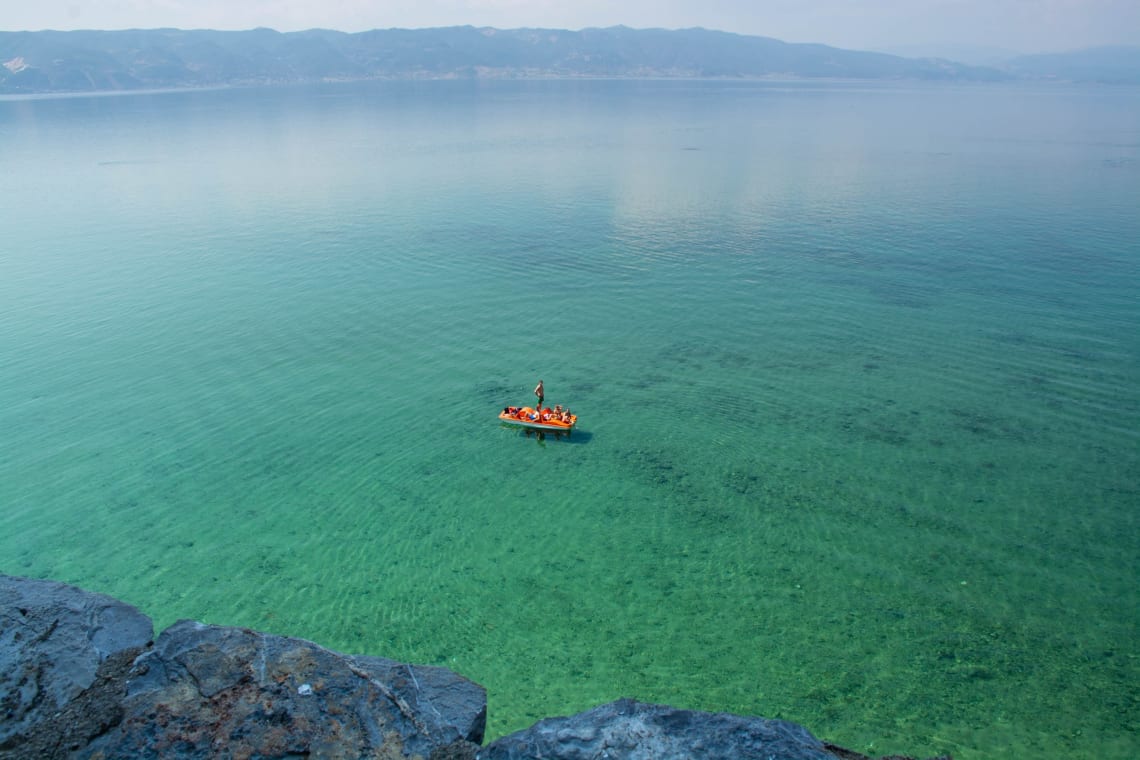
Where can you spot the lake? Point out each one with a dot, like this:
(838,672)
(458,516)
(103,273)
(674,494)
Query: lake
(857,370)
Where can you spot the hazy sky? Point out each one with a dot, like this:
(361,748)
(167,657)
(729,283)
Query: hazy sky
(1018,25)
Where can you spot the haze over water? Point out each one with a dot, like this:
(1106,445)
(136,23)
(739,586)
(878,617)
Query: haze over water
(857,370)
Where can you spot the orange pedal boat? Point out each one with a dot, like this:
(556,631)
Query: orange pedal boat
(527,417)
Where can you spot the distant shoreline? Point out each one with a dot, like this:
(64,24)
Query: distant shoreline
(65,94)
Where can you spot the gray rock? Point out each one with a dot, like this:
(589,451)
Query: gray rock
(60,647)
(78,679)
(629,730)
(208,691)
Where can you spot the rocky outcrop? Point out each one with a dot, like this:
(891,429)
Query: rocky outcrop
(207,690)
(63,655)
(81,678)
(630,730)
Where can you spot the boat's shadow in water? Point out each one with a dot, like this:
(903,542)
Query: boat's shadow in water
(546,436)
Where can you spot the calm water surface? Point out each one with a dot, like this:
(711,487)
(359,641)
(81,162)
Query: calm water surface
(857,370)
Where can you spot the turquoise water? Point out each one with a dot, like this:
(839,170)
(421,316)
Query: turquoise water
(857,369)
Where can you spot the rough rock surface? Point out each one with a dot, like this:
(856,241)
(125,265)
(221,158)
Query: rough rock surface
(629,730)
(208,691)
(79,678)
(60,651)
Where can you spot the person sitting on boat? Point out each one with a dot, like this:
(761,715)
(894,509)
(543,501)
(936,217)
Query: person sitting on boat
(546,415)
(566,416)
(533,416)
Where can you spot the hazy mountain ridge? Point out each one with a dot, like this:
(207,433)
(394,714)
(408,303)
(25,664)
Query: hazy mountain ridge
(51,61)
(1111,65)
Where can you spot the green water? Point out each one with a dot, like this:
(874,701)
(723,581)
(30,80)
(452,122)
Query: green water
(857,371)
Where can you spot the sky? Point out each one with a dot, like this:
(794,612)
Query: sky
(1023,26)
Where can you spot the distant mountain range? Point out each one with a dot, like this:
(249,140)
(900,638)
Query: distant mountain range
(1113,65)
(86,61)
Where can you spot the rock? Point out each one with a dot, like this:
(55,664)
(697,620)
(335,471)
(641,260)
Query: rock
(78,679)
(206,690)
(629,730)
(60,651)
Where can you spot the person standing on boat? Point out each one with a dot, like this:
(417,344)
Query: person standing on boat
(538,391)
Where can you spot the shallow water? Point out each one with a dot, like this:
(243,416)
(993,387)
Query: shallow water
(856,366)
